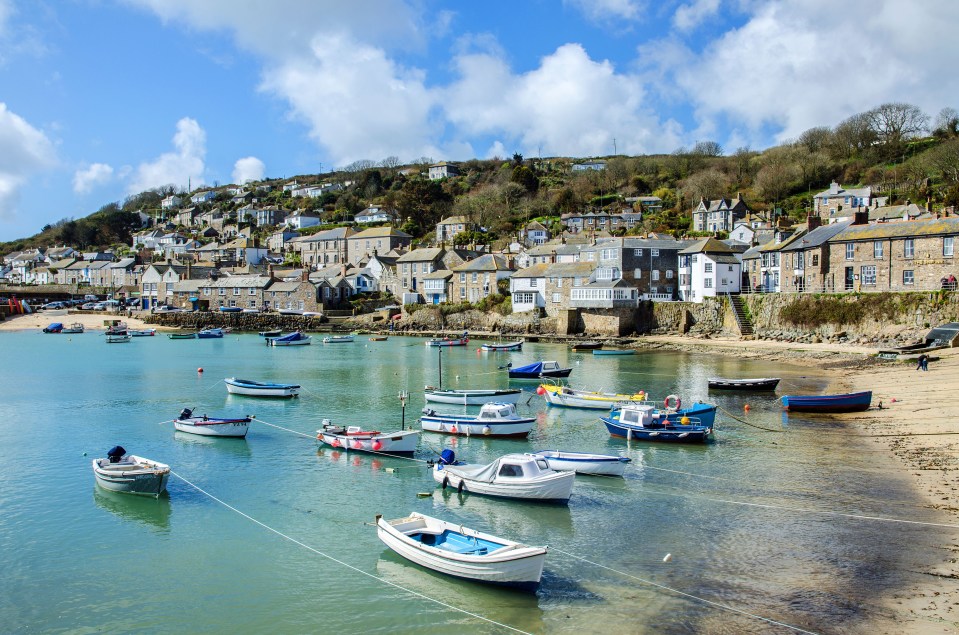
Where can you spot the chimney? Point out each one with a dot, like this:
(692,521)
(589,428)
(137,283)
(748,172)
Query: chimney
(189,270)
(305,276)
(269,270)
(860,217)
(813,221)
(343,270)
(834,188)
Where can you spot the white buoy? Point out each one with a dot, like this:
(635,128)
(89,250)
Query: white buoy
(668,557)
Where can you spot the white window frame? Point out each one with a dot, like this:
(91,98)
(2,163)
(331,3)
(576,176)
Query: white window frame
(908,277)
(850,251)
(877,250)
(909,248)
(948,246)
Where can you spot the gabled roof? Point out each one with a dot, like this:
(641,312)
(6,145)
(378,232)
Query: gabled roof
(535,271)
(570,269)
(905,229)
(774,246)
(380,232)
(337,233)
(708,246)
(426,254)
(818,236)
(488,262)
(439,274)
(454,220)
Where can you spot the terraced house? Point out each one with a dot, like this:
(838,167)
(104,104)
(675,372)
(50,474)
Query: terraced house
(474,280)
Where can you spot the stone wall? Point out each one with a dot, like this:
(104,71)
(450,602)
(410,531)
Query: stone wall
(250,322)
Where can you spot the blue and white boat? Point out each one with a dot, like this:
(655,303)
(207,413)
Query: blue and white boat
(236,386)
(231,309)
(583,463)
(461,552)
(211,333)
(538,370)
(493,420)
(849,402)
(296,338)
(646,422)
(338,339)
(54,327)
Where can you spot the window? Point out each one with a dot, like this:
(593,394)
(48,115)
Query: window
(252,291)
(637,273)
(462,293)
(815,260)
(868,274)
(556,297)
(669,274)
(708,283)
(222,290)
(850,251)
(206,291)
(637,252)
(590,256)
(708,266)
(909,248)
(463,278)
(252,304)
(608,254)
(908,277)
(169,287)
(236,290)
(524,297)
(695,257)
(655,273)
(653,252)
(877,249)
(947,245)
(475,276)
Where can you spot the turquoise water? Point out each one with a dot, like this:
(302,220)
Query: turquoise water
(730,514)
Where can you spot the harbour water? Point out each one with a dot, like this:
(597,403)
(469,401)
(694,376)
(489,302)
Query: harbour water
(272,533)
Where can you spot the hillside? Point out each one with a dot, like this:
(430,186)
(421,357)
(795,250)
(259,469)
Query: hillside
(892,147)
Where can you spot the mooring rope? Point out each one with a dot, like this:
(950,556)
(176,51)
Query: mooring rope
(695,598)
(312,436)
(340,562)
(752,425)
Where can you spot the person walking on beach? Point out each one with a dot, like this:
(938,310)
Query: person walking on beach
(923,362)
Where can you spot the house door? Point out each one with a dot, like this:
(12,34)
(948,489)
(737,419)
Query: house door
(849,279)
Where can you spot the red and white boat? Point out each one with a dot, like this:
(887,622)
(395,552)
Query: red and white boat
(360,440)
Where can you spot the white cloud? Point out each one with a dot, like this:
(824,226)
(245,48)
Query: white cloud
(609,10)
(6,10)
(24,150)
(248,169)
(85,179)
(689,16)
(184,165)
(796,64)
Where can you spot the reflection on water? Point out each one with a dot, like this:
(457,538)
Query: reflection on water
(229,445)
(514,519)
(146,510)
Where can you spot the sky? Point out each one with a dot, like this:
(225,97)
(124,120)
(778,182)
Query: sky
(102,99)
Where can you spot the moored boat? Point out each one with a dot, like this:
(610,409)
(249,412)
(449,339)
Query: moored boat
(211,426)
(614,351)
(130,474)
(502,346)
(236,386)
(538,370)
(510,476)
(356,438)
(118,339)
(142,332)
(586,346)
(76,327)
(211,333)
(379,338)
(493,420)
(473,397)
(53,327)
(231,309)
(182,336)
(645,422)
(338,339)
(754,384)
(584,463)
(273,333)
(117,328)
(296,338)
(848,402)
(445,342)
(557,395)
(461,552)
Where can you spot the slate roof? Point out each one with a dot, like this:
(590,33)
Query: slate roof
(426,254)
(708,246)
(818,236)
(488,262)
(906,229)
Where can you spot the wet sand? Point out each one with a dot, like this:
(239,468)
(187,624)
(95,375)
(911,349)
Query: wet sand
(90,321)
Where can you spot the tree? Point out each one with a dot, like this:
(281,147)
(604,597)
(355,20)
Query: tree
(896,123)
(707,149)
(774,180)
(525,177)
(852,137)
(708,184)
(566,201)
(946,125)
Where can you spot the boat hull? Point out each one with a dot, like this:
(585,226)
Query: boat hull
(600,351)
(236,428)
(581,463)
(492,348)
(457,342)
(143,333)
(546,374)
(555,488)
(557,396)
(471,426)
(851,402)
(257,389)
(670,432)
(182,336)
(118,339)
(400,442)
(517,565)
(756,385)
(338,339)
(473,397)
(136,476)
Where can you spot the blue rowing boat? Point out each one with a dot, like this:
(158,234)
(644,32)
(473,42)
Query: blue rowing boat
(848,402)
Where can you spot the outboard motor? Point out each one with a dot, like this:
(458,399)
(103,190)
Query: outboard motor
(116,453)
(186,413)
(429,412)
(447,457)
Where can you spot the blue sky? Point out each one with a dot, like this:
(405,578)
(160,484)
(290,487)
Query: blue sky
(101,99)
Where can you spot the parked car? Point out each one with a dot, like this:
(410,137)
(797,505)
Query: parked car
(166,308)
(88,306)
(53,305)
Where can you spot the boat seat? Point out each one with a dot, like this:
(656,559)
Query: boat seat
(465,550)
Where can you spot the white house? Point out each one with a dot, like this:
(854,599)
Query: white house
(301,219)
(375,214)
(203,197)
(708,268)
(443,170)
(170,202)
(528,288)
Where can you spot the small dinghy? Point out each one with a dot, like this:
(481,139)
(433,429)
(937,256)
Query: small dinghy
(119,339)
(182,336)
(296,338)
(755,384)
(236,386)
(848,402)
(338,339)
(273,333)
(582,463)
(461,552)
(511,476)
(502,346)
(142,332)
(211,426)
(129,474)
(538,370)
(356,438)
(446,342)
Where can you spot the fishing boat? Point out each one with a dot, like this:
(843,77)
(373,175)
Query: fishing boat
(502,346)
(614,351)
(142,332)
(130,474)
(645,422)
(210,333)
(583,463)
(379,338)
(444,342)
(211,426)
(356,438)
(273,333)
(849,402)
(236,386)
(118,339)
(476,397)
(461,552)
(182,336)
(76,327)
(53,327)
(586,346)
(538,370)
(296,338)
(338,339)
(510,476)
(756,384)
(117,328)
(493,420)
(565,396)
(231,309)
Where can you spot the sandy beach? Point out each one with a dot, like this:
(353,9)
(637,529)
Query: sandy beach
(90,321)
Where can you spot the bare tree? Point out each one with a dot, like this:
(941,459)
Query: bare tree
(946,124)
(896,123)
(707,149)
(945,160)
(708,184)
(852,137)
(774,180)
(816,139)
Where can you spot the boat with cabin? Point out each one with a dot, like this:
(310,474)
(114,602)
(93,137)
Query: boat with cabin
(494,420)
(211,333)
(296,338)
(461,552)
(538,370)
(447,342)
(76,327)
(510,476)
(648,423)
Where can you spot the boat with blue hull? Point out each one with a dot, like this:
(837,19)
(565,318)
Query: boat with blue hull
(213,333)
(848,402)
(296,338)
(646,422)
(538,370)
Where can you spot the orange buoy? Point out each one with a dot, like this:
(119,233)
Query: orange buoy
(746,407)
(199,370)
